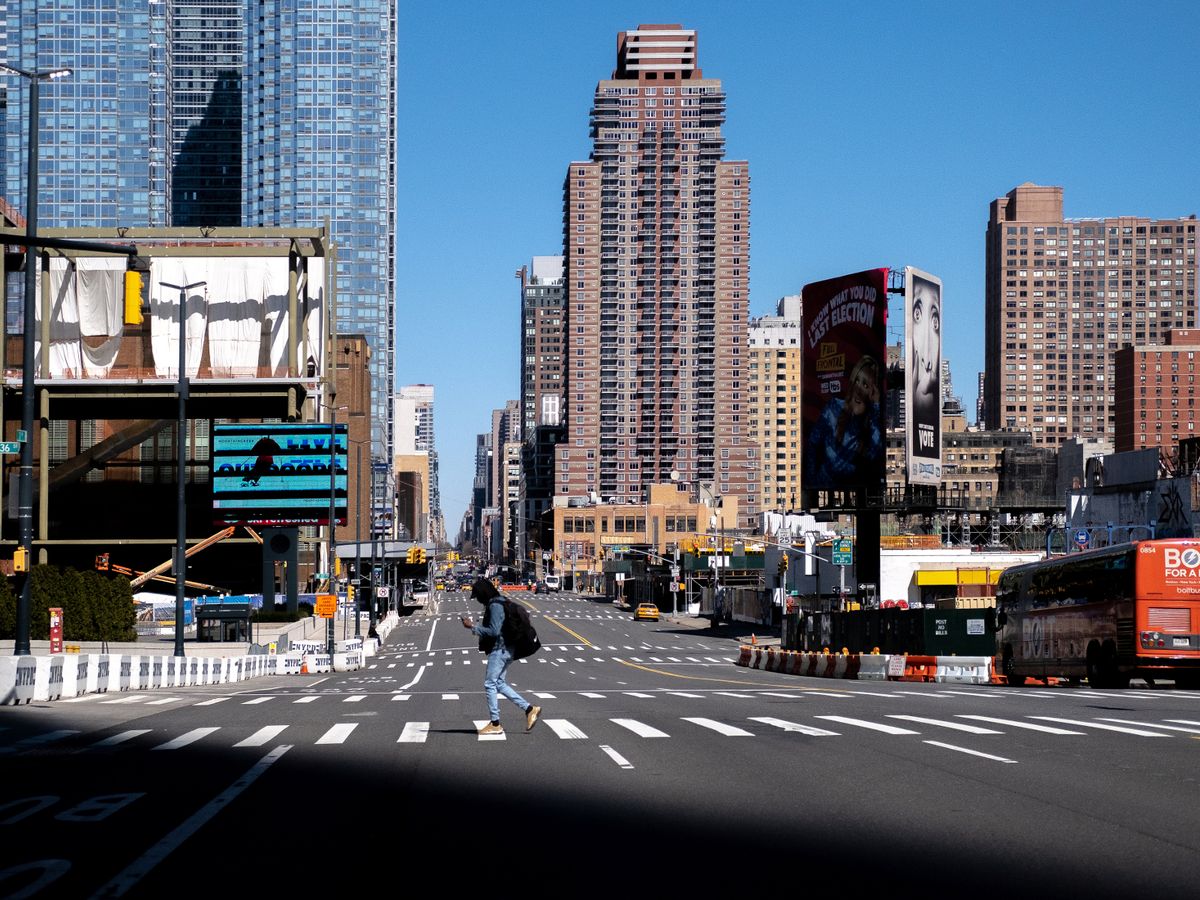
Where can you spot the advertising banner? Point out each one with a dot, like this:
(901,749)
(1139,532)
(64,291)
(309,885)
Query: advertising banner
(923,376)
(843,381)
(278,475)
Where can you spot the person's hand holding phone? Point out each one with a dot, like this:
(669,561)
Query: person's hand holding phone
(466,620)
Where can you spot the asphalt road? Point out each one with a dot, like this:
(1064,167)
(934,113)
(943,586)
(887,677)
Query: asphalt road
(658,765)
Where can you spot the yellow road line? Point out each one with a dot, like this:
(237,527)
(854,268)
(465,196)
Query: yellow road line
(577,637)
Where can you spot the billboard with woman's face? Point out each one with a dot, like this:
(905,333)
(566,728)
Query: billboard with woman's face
(923,376)
(845,323)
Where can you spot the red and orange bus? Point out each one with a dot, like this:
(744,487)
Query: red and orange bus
(1107,615)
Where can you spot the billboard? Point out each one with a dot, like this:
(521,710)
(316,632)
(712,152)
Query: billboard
(277,475)
(843,381)
(923,376)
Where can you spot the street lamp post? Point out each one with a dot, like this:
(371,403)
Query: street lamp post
(181,462)
(333,411)
(28,404)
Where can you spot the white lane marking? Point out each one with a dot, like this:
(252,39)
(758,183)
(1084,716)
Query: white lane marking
(1152,725)
(544,696)
(312,684)
(616,757)
(82,698)
(873,726)
(673,659)
(794,726)
(432,629)
(46,738)
(1139,732)
(784,696)
(121,738)
(636,659)
(401,696)
(971,694)
(338,733)
(691,659)
(391,665)
(414,733)
(480,723)
(957,726)
(313,699)
(212,702)
(565,729)
(132,698)
(1046,729)
(449,696)
(416,678)
(636,694)
(188,738)
(713,659)
(260,737)
(141,867)
(971,752)
(255,701)
(682,694)
(872,694)
(720,727)
(731,694)
(592,696)
(355,699)
(1183,721)
(638,728)
(655,659)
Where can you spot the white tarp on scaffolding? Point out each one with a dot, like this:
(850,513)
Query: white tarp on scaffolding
(237,320)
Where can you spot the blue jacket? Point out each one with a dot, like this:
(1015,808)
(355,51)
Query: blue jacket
(490,638)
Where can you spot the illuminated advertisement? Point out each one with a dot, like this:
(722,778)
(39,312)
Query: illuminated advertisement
(277,475)
(843,381)
(923,376)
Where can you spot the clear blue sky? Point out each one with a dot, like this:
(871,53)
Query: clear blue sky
(877,134)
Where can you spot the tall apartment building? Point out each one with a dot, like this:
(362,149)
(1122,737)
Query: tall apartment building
(506,471)
(415,435)
(185,103)
(1063,295)
(774,379)
(1156,398)
(657,253)
(543,309)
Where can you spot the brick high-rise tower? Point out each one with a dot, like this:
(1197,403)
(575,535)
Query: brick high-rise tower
(656,250)
(1063,296)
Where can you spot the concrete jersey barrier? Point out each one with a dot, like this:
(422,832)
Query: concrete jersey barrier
(868,666)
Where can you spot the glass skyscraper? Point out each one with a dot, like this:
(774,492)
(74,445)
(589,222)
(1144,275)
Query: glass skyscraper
(227,112)
(320,141)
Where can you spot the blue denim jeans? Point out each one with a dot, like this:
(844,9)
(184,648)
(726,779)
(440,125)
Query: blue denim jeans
(498,662)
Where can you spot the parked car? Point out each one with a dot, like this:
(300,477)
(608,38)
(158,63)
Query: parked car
(646,612)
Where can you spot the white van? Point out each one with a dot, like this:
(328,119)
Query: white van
(553,583)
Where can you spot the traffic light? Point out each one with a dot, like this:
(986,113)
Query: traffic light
(412,556)
(137,289)
(102,562)
(421,555)
(350,595)
(783,565)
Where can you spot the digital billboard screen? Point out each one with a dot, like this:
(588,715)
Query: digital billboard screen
(843,381)
(277,475)
(923,376)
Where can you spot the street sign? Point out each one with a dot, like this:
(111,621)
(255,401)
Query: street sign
(382,592)
(1081,537)
(10,446)
(22,435)
(326,606)
(843,552)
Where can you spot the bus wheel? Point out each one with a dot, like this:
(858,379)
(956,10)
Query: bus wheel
(1112,677)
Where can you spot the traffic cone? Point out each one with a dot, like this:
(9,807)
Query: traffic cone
(304,664)
(753,639)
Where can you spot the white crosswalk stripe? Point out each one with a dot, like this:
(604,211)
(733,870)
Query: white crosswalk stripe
(565,729)
(784,696)
(794,726)
(213,702)
(593,696)
(414,733)
(1139,732)
(260,737)
(256,701)
(121,738)
(189,737)
(957,726)
(689,696)
(1029,726)
(720,727)
(357,698)
(1152,725)
(872,726)
(338,733)
(639,728)
(636,694)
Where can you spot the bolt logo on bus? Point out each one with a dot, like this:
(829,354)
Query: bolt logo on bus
(1181,563)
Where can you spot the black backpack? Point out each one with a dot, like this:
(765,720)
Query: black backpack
(519,635)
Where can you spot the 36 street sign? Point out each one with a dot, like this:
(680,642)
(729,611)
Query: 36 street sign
(10,446)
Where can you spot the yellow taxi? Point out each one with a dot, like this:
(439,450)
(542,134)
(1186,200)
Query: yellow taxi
(647,612)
